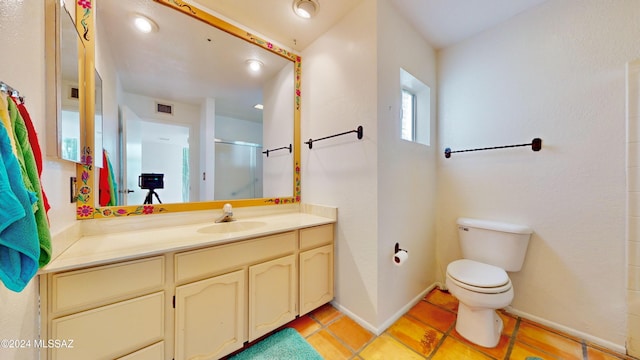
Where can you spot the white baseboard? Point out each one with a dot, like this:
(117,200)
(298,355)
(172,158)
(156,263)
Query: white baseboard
(377,330)
(387,323)
(570,331)
(355,318)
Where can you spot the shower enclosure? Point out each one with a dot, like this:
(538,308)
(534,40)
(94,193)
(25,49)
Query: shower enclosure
(238,170)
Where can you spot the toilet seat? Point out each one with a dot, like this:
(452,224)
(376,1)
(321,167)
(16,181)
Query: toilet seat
(478,277)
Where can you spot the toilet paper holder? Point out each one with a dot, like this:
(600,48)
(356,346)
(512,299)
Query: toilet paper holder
(397,248)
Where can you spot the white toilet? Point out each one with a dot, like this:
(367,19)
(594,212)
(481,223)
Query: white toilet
(480,281)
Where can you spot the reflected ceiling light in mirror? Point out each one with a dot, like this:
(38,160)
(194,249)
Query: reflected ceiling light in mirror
(305,8)
(255,65)
(144,24)
(258,106)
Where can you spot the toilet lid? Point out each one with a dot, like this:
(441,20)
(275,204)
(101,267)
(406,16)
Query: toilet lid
(477,274)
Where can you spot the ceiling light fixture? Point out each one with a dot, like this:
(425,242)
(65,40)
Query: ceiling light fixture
(255,65)
(144,24)
(259,106)
(306,8)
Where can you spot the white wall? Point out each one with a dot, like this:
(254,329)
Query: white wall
(633,220)
(406,170)
(22,28)
(184,114)
(112,95)
(338,87)
(277,119)
(384,187)
(556,72)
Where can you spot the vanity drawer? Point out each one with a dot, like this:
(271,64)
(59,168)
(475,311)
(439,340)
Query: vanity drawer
(196,264)
(316,236)
(83,289)
(110,331)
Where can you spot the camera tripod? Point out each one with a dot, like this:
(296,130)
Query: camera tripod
(149,200)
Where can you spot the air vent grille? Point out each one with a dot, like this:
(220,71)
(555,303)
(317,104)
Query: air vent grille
(74,93)
(164,108)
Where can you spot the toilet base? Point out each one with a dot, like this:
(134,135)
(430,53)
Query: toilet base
(480,326)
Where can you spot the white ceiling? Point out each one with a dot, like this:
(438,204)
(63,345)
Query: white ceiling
(441,22)
(188,60)
(446,22)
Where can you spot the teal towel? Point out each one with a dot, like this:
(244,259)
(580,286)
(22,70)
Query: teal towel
(31,178)
(19,245)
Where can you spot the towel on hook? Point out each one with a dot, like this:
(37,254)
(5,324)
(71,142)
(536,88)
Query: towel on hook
(31,179)
(35,146)
(5,120)
(19,245)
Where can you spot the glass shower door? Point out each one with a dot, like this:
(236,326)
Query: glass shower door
(238,170)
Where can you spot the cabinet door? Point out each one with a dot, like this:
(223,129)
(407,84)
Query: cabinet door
(153,352)
(210,317)
(273,290)
(316,278)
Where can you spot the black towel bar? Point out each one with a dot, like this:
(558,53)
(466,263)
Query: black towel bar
(359,131)
(280,148)
(536,145)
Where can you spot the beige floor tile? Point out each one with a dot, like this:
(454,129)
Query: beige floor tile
(549,342)
(497,352)
(418,336)
(350,332)
(452,349)
(433,315)
(384,347)
(522,351)
(443,299)
(328,346)
(305,325)
(325,314)
(509,322)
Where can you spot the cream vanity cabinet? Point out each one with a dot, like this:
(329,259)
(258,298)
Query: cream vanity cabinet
(106,312)
(211,312)
(316,267)
(202,303)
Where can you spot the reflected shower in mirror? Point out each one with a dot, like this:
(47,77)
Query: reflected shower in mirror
(183,103)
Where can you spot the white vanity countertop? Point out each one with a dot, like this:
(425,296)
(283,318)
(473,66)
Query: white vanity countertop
(97,249)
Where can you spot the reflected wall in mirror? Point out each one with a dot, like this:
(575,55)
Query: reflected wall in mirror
(179,101)
(97,119)
(64,90)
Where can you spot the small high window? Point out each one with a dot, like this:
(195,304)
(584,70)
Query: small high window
(408,115)
(416,109)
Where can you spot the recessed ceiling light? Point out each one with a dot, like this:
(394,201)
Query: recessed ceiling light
(255,65)
(144,24)
(258,106)
(306,8)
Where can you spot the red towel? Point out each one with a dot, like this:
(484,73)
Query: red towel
(35,146)
(104,188)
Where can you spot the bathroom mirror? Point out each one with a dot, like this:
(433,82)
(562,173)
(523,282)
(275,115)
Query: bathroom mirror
(63,89)
(97,119)
(179,101)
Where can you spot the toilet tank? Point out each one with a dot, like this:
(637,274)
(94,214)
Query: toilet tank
(495,243)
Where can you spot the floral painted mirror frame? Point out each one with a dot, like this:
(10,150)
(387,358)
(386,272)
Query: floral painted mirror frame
(87,172)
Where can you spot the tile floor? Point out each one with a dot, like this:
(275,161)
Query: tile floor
(427,331)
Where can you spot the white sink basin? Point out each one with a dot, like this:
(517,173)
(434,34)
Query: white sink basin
(229,227)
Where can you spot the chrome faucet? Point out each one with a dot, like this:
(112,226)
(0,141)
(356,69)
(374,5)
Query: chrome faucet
(227,214)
